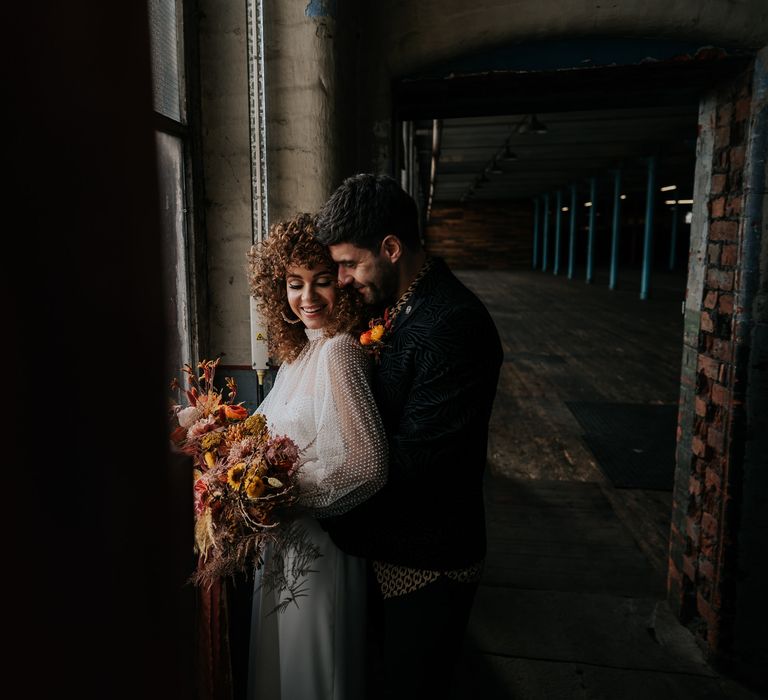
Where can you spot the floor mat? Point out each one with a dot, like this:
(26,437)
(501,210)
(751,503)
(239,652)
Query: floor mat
(634,444)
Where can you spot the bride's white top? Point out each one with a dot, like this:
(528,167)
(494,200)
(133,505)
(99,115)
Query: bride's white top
(323,402)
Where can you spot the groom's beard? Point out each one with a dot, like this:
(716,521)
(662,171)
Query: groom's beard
(381,291)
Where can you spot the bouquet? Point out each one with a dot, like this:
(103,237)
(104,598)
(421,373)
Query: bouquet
(245,487)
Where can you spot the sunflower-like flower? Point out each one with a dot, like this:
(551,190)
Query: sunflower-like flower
(235,475)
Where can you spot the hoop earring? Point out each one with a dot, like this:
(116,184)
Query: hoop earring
(292,321)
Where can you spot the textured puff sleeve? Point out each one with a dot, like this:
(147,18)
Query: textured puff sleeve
(351,449)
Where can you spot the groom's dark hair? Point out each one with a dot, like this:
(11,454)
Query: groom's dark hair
(365,209)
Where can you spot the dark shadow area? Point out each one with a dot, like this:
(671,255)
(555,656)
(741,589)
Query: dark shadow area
(634,444)
(569,607)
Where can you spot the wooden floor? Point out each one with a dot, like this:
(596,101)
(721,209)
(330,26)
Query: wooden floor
(564,341)
(572,599)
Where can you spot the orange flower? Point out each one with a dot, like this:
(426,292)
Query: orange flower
(377,332)
(236,412)
(366,338)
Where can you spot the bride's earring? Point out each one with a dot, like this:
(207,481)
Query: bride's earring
(292,321)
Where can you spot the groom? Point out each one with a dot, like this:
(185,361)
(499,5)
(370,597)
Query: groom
(434,383)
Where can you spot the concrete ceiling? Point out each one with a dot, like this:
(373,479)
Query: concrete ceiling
(598,118)
(501,158)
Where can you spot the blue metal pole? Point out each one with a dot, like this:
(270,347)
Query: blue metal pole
(591,236)
(572,234)
(673,240)
(545,238)
(558,220)
(645,278)
(615,231)
(535,232)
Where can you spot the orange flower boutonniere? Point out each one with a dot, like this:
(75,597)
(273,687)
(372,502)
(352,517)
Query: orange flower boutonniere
(378,328)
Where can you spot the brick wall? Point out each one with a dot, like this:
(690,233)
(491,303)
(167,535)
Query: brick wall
(481,235)
(708,479)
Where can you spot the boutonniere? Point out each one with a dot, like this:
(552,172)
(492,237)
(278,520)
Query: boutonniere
(374,338)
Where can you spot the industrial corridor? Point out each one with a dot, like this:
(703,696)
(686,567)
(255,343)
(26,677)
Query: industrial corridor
(572,600)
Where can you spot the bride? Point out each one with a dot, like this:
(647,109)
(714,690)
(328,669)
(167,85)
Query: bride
(321,399)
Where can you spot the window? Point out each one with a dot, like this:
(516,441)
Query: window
(174,166)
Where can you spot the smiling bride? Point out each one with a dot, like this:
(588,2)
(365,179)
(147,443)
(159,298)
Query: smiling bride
(321,398)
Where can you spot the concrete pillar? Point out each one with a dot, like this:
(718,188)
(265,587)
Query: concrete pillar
(301,97)
(227,168)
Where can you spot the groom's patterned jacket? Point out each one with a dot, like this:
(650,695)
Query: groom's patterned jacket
(434,385)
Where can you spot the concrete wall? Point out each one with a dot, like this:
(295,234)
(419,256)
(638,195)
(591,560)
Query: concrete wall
(310,70)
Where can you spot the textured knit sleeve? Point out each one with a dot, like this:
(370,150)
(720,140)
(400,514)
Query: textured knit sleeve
(351,449)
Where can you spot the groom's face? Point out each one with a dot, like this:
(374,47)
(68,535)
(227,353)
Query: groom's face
(371,274)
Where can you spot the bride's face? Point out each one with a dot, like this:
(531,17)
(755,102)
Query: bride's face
(311,294)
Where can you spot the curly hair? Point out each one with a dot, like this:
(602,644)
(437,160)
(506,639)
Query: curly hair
(292,243)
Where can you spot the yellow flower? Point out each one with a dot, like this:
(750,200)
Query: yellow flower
(377,332)
(210,459)
(254,486)
(255,424)
(211,441)
(235,475)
